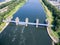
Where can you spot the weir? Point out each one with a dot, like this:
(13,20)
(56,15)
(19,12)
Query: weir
(26,23)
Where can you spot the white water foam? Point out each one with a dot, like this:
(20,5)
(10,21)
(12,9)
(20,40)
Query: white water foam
(23,29)
(22,39)
(13,39)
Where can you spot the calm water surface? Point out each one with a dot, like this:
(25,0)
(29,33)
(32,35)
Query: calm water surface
(2,0)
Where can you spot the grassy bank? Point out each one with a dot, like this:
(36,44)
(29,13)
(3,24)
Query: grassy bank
(10,14)
(48,13)
(14,10)
(50,19)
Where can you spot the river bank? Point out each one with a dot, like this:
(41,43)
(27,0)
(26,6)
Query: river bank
(53,35)
(2,2)
(12,34)
(4,25)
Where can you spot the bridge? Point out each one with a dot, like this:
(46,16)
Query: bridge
(26,22)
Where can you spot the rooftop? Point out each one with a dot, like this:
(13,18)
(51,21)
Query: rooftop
(55,3)
(4,1)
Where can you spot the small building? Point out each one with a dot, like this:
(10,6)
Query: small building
(7,0)
(4,1)
(4,9)
(55,0)
(56,3)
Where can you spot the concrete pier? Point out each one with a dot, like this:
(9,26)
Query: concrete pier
(26,20)
(37,22)
(17,20)
(28,23)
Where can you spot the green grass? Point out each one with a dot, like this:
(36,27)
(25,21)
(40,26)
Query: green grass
(48,13)
(50,18)
(14,10)
(54,34)
(1,26)
(10,14)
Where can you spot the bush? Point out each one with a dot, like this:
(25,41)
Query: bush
(11,5)
(55,13)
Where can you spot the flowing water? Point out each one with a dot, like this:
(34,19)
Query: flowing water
(30,35)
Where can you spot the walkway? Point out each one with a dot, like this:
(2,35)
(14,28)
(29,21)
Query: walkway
(26,22)
(52,35)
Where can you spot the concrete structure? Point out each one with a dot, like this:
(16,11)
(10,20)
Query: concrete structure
(7,0)
(4,9)
(17,20)
(4,1)
(27,23)
(26,20)
(54,39)
(51,34)
(56,3)
(37,22)
(55,0)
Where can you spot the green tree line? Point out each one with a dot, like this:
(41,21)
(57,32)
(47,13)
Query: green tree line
(56,15)
(11,5)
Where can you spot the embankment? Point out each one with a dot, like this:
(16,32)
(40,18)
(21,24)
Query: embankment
(4,25)
(53,35)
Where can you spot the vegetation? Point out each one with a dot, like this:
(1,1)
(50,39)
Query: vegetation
(8,3)
(50,17)
(12,8)
(56,16)
(11,5)
(55,13)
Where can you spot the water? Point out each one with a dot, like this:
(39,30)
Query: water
(2,0)
(21,35)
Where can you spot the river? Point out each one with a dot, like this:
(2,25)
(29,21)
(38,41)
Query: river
(30,35)
(2,0)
